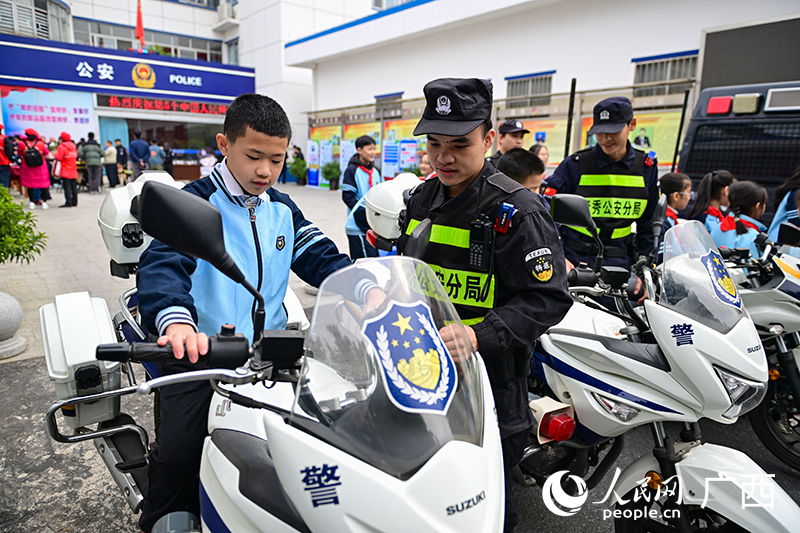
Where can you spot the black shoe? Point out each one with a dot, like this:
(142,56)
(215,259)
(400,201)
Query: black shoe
(65,205)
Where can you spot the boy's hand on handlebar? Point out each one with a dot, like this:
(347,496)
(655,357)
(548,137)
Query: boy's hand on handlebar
(375,297)
(180,334)
(570,266)
(638,288)
(459,341)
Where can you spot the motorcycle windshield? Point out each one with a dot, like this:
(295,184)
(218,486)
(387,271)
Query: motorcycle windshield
(695,280)
(380,384)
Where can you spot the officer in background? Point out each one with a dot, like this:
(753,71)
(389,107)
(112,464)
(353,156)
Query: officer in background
(619,182)
(493,246)
(512,134)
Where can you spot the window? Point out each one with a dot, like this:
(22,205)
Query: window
(233,52)
(41,19)
(388,4)
(389,105)
(676,68)
(105,35)
(532,86)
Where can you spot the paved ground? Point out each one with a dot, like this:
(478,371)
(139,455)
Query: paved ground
(51,487)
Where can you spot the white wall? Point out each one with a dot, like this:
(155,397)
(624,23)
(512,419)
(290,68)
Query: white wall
(592,41)
(157,15)
(266,25)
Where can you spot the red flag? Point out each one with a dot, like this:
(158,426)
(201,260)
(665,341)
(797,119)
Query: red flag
(139,25)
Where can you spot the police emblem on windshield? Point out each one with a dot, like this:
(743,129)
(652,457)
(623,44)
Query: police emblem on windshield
(540,264)
(724,287)
(419,375)
(443,105)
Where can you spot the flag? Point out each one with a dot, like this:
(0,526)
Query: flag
(139,24)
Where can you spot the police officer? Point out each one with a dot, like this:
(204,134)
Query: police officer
(494,247)
(620,184)
(512,134)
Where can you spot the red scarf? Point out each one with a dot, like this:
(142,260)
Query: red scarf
(714,212)
(671,213)
(730,223)
(368,172)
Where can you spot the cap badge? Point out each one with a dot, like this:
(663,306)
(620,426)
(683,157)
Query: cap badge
(519,124)
(443,105)
(604,115)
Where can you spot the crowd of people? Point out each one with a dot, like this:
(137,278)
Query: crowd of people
(39,164)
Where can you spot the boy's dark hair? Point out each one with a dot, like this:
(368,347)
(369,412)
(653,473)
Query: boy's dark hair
(364,140)
(260,113)
(673,182)
(90,135)
(117,141)
(744,195)
(710,187)
(518,164)
(137,134)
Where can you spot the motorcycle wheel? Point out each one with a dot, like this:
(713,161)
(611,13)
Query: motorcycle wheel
(630,521)
(776,425)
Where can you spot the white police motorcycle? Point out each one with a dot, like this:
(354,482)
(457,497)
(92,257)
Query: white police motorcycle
(690,352)
(770,289)
(367,423)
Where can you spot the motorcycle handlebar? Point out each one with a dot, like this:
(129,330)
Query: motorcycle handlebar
(223,352)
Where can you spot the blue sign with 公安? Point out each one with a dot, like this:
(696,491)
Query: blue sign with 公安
(49,64)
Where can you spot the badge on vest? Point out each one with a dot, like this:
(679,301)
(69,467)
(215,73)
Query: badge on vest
(281,242)
(540,264)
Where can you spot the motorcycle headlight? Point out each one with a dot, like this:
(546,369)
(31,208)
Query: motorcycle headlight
(745,394)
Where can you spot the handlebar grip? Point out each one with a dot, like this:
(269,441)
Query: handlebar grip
(140,351)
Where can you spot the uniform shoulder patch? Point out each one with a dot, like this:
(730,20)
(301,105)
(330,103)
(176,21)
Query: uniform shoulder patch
(540,264)
(504,183)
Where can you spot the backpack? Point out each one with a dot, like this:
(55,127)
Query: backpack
(33,157)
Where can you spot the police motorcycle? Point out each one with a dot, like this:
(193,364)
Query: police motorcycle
(690,352)
(770,289)
(367,423)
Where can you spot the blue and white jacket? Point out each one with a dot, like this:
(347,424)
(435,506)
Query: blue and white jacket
(265,240)
(787,212)
(724,235)
(356,182)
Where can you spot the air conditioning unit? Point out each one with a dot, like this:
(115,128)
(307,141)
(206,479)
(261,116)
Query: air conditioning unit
(225,11)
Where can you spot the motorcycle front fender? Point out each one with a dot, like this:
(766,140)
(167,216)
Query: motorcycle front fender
(726,481)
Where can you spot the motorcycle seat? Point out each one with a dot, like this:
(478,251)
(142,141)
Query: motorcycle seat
(258,479)
(649,354)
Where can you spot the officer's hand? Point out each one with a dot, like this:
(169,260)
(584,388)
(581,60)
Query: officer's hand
(638,288)
(180,334)
(570,266)
(375,297)
(460,342)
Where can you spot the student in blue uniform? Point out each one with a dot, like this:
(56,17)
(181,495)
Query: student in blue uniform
(678,189)
(184,299)
(741,227)
(712,201)
(359,177)
(786,203)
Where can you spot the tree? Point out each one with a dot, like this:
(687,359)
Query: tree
(19,240)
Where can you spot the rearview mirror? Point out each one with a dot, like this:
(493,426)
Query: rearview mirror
(789,234)
(572,210)
(187,223)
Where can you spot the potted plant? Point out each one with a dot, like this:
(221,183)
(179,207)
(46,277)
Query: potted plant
(19,241)
(331,172)
(414,169)
(299,170)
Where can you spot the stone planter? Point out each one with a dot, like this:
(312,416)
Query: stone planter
(10,321)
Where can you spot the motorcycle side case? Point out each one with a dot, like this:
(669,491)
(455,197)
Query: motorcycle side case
(72,327)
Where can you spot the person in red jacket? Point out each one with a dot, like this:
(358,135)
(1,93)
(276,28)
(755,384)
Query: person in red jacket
(5,163)
(67,155)
(34,173)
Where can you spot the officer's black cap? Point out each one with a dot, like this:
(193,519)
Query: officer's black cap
(511,126)
(455,106)
(611,115)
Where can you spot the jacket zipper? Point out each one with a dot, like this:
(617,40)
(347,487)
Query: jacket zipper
(252,210)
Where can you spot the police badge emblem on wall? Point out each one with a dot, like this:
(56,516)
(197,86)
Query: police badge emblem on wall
(443,105)
(540,264)
(418,373)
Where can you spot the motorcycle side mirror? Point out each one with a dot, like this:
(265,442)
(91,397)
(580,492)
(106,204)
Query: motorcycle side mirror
(659,215)
(789,234)
(419,239)
(573,210)
(187,223)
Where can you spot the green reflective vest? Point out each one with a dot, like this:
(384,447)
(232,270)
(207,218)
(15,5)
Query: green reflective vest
(616,200)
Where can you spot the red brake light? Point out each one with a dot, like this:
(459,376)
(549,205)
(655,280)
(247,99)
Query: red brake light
(557,426)
(719,105)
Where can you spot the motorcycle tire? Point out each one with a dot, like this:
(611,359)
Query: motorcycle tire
(776,426)
(628,516)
